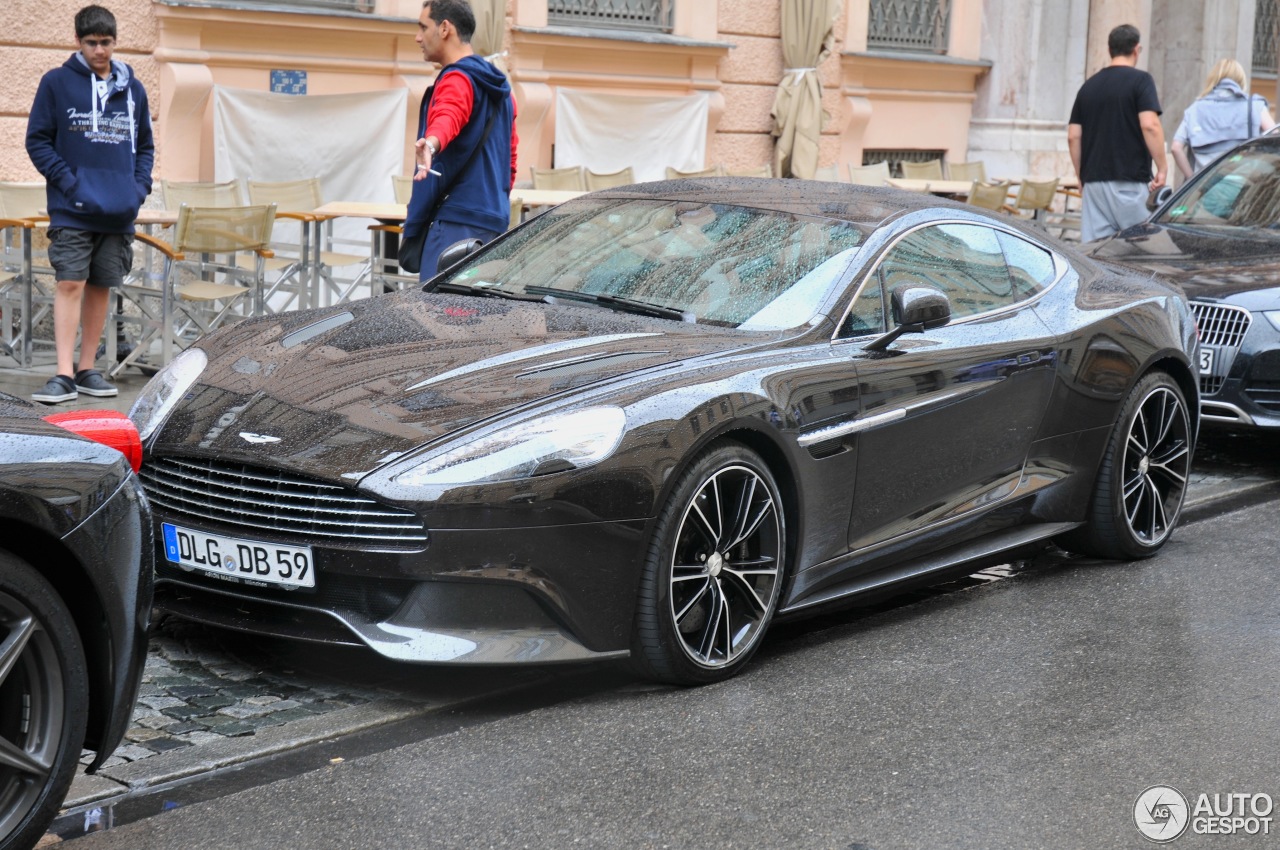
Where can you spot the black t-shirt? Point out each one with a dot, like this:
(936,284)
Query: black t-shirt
(1106,108)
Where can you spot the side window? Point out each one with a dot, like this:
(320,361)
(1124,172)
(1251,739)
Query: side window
(867,315)
(1030,266)
(965,261)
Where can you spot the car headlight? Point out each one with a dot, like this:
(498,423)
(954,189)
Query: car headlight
(1273,316)
(550,444)
(162,392)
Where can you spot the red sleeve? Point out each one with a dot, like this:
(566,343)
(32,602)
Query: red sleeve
(450,107)
(515,142)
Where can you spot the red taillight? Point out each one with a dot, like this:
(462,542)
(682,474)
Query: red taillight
(109,427)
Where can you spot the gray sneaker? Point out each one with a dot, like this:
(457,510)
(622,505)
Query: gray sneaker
(59,389)
(91,382)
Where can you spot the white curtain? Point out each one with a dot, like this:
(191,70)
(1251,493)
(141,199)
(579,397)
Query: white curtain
(608,132)
(352,142)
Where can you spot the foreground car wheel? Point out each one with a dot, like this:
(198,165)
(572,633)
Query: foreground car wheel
(1143,479)
(43,703)
(714,571)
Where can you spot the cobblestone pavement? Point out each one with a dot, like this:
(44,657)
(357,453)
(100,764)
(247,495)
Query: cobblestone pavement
(199,687)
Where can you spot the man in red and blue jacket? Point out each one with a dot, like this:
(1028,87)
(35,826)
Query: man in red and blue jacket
(457,151)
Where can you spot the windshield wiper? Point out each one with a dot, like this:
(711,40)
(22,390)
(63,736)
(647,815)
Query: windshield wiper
(482,289)
(626,305)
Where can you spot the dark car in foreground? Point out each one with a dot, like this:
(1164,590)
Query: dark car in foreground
(75,597)
(1218,237)
(654,419)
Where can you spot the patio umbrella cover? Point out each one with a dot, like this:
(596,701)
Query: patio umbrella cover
(807,38)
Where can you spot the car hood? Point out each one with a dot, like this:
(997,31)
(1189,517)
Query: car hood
(337,393)
(1209,264)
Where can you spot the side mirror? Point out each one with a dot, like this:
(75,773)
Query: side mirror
(457,252)
(1162,195)
(915,309)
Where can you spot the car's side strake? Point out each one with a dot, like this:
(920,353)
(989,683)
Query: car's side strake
(864,423)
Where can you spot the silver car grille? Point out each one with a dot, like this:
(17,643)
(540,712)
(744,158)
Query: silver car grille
(1223,326)
(256,500)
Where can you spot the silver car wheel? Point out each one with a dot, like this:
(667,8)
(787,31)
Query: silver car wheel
(1157,460)
(725,566)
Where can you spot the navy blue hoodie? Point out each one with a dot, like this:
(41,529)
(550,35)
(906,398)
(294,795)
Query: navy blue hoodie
(91,139)
(480,195)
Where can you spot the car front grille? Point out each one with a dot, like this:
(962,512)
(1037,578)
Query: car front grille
(1219,325)
(254,500)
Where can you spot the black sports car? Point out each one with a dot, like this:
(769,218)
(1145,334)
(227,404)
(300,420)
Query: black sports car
(1218,237)
(650,420)
(75,596)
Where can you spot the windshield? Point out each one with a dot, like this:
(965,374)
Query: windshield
(1241,190)
(702,262)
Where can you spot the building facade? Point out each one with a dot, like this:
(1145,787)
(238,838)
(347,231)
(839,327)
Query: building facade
(904,79)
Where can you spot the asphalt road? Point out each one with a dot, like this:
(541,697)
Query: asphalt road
(1028,712)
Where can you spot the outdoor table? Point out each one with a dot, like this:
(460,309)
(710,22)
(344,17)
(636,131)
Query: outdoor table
(951,188)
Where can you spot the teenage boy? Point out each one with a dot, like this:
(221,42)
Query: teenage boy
(89,134)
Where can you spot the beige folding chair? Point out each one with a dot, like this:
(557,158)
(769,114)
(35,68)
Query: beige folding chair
(928,170)
(175,193)
(300,266)
(403,187)
(968,171)
(765,170)
(991,196)
(830,173)
(712,171)
(607,180)
(869,175)
(206,245)
(1035,198)
(570,178)
(23,296)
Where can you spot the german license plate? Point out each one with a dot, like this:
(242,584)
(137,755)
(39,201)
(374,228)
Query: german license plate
(1207,355)
(250,561)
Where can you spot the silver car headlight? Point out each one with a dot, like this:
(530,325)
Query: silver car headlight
(549,444)
(1273,316)
(163,392)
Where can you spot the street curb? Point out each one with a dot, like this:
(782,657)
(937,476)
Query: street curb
(123,780)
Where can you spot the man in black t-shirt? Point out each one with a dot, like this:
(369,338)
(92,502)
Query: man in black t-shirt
(1114,136)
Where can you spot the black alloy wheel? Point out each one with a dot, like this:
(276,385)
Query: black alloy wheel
(44,694)
(714,572)
(1143,480)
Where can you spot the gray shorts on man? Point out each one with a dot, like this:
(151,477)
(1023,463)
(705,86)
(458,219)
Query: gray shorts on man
(1108,203)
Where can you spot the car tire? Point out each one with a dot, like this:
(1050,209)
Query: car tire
(714,570)
(1142,482)
(44,688)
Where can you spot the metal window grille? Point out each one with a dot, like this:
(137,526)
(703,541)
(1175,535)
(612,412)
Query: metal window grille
(921,25)
(895,158)
(1266,30)
(653,15)
(332,5)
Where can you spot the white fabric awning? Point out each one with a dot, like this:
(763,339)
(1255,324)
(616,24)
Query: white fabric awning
(608,132)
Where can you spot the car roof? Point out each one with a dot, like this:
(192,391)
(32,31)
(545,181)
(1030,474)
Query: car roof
(867,206)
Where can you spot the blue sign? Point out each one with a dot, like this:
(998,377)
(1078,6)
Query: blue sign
(289,82)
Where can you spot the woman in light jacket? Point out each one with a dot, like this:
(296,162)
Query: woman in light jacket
(1221,118)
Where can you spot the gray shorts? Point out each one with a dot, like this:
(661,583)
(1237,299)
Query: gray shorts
(1110,206)
(103,259)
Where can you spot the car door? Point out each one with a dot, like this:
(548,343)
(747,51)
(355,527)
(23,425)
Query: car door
(949,414)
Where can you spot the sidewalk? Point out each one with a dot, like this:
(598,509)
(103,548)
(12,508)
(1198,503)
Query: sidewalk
(212,699)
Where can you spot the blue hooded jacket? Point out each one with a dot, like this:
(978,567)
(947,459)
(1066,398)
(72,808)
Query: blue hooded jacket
(480,195)
(91,139)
